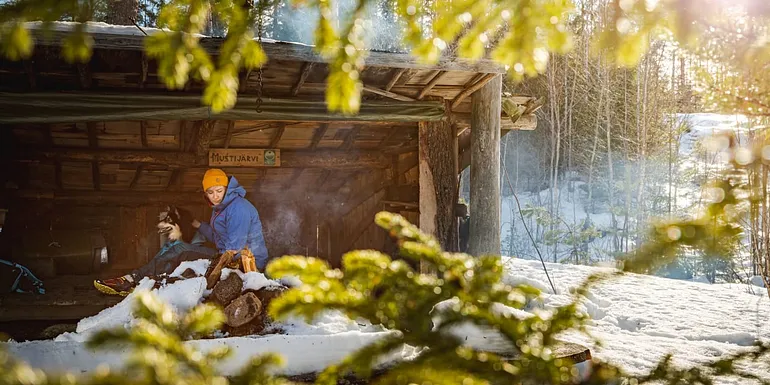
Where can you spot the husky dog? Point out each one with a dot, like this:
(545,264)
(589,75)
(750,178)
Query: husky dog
(176,223)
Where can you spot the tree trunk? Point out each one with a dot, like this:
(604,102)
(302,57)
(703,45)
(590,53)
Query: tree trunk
(122,12)
(485,169)
(438,182)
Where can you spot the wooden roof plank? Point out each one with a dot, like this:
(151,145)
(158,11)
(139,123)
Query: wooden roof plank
(280,51)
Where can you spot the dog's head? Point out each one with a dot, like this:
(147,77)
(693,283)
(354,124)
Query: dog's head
(176,222)
(169,223)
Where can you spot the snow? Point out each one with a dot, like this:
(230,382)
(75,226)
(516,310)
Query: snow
(199,267)
(640,318)
(251,281)
(93,27)
(181,296)
(637,318)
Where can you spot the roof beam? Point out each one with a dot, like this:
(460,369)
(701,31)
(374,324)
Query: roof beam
(175,180)
(278,135)
(524,123)
(432,83)
(471,89)
(306,67)
(389,136)
(143,132)
(388,94)
(229,133)
(330,159)
(243,80)
(395,78)
(137,175)
(352,134)
(318,135)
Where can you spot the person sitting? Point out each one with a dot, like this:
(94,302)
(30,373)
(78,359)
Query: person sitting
(234,225)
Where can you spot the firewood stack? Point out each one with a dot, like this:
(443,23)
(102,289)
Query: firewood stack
(245,309)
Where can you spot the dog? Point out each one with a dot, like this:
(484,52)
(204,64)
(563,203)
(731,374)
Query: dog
(176,223)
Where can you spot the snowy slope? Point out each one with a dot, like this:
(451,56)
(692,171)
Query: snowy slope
(640,318)
(637,318)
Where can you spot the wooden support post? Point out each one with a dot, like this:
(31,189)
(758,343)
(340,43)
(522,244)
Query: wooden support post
(485,169)
(437,182)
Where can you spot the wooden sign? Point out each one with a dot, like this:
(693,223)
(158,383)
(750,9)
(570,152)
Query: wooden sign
(244,158)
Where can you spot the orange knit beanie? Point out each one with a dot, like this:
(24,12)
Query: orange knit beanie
(214,177)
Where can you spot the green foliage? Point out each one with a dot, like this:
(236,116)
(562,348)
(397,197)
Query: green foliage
(159,354)
(462,289)
(519,35)
(180,56)
(386,292)
(390,293)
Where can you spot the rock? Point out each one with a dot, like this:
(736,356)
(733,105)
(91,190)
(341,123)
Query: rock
(189,273)
(243,310)
(226,291)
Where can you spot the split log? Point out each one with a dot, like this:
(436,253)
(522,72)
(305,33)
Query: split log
(243,310)
(226,291)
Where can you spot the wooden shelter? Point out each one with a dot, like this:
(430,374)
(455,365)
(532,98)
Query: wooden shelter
(102,147)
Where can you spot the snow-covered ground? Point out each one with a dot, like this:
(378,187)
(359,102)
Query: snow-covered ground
(641,318)
(638,319)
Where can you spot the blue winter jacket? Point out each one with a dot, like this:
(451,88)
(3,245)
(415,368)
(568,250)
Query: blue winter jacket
(235,225)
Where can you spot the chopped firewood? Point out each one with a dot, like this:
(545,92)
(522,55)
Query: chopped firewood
(243,310)
(213,277)
(227,290)
(247,259)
